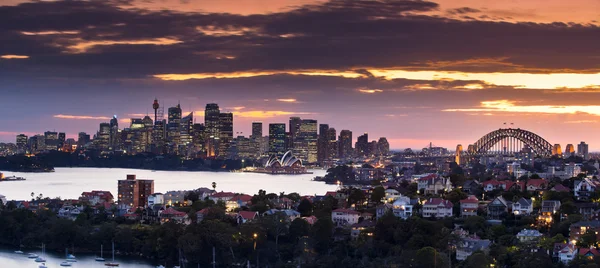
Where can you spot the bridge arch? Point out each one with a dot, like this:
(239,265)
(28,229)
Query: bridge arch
(511,140)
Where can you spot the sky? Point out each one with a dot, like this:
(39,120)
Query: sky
(444,72)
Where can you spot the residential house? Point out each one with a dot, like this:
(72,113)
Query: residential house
(310,220)
(156,199)
(527,235)
(497,207)
(97,198)
(565,253)
(471,187)
(364,226)
(469,206)
(536,185)
(589,253)
(290,214)
(382,209)
(560,188)
(391,195)
(170,214)
(434,184)
(246,216)
(344,217)
(237,201)
(437,207)
(204,192)
(3,199)
(491,185)
(221,196)
(402,208)
(549,208)
(587,210)
(174,197)
(584,188)
(467,246)
(69,212)
(576,230)
(522,207)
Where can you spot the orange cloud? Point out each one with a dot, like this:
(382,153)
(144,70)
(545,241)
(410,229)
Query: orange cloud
(267,114)
(50,32)
(369,91)
(513,107)
(10,57)
(81,117)
(181,77)
(82,46)
(287,100)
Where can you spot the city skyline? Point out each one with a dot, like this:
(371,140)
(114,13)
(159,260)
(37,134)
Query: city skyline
(416,72)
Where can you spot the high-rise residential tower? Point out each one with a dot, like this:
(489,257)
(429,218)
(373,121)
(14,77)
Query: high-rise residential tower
(345,144)
(582,150)
(362,145)
(277,139)
(21,143)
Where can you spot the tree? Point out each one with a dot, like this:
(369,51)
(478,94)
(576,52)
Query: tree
(478,260)
(456,195)
(588,239)
(214,186)
(192,196)
(305,207)
(298,228)
(378,194)
(428,257)
(356,197)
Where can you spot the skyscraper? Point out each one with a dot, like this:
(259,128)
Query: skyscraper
(174,128)
(277,139)
(257,129)
(569,150)
(323,143)
(458,154)
(21,143)
(383,146)
(225,133)
(362,145)
(82,139)
(114,136)
(332,144)
(102,138)
(51,140)
(61,140)
(305,140)
(345,144)
(582,150)
(212,129)
(294,131)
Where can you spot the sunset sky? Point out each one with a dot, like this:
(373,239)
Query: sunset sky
(441,71)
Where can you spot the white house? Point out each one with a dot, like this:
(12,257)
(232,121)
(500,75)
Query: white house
(433,184)
(584,188)
(469,206)
(402,208)
(3,199)
(343,217)
(156,199)
(522,207)
(437,207)
(391,195)
(527,235)
(466,247)
(567,253)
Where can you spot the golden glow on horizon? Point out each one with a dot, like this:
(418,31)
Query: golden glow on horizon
(513,107)
(181,77)
(517,80)
(81,117)
(83,46)
(12,57)
(369,91)
(50,32)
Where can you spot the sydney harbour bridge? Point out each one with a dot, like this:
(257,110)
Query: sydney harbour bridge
(508,141)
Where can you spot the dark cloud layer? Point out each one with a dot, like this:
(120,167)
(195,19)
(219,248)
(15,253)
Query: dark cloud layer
(337,35)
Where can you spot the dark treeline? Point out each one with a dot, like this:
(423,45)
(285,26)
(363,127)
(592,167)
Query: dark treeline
(48,161)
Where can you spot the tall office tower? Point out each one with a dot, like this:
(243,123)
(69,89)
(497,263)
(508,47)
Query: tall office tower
(158,136)
(305,141)
(225,133)
(102,137)
(62,137)
(198,139)
(323,143)
(570,150)
(458,154)
(82,139)
(36,144)
(173,129)
(133,192)
(294,131)
(556,150)
(186,130)
(582,150)
(242,148)
(114,136)
(332,144)
(51,140)
(211,119)
(362,145)
(277,139)
(257,129)
(21,143)
(345,144)
(383,146)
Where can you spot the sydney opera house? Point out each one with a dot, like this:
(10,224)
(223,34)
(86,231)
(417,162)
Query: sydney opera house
(287,164)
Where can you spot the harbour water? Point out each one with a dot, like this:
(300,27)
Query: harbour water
(9,259)
(69,183)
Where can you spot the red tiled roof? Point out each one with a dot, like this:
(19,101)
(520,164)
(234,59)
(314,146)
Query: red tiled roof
(172,211)
(585,251)
(311,220)
(242,197)
(561,188)
(438,202)
(536,182)
(471,199)
(347,211)
(428,177)
(492,182)
(248,215)
(223,194)
(333,194)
